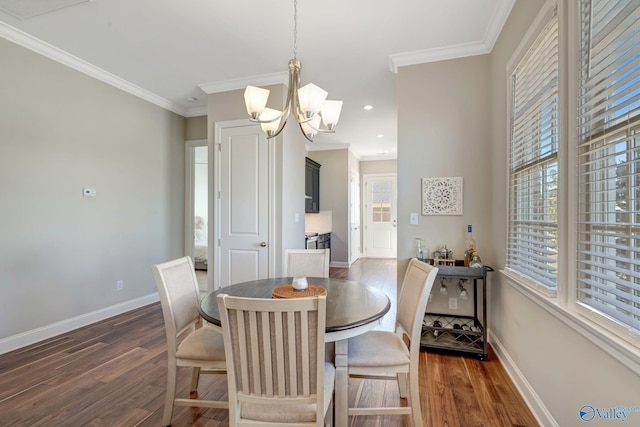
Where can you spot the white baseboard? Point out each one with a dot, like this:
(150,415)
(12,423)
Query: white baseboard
(537,407)
(23,339)
(339,264)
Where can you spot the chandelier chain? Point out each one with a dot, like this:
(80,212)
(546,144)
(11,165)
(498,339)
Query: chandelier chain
(295,29)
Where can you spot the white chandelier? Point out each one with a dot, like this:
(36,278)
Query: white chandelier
(309,103)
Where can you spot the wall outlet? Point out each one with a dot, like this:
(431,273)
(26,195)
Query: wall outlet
(453,303)
(89,192)
(119,285)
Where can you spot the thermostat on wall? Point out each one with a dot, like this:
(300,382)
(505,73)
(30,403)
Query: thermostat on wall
(89,192)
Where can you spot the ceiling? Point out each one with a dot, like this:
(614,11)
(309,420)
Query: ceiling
(167,51)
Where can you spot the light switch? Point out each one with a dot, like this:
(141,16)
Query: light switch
(89,192)
(413,219)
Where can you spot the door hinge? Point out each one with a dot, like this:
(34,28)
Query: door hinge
(219,242)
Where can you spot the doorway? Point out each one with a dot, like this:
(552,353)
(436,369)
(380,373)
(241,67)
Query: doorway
(380,216)
(197,207)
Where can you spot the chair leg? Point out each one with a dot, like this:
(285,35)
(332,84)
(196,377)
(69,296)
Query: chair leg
(171,394)
(414,401)
(402,384)
(329,416)
(195,379)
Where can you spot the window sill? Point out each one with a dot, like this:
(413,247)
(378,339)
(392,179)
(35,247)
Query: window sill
(623,351)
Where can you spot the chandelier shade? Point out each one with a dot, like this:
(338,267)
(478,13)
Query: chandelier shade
(311,98)
(331,113)
(270,121)
(308,104)
(255,98)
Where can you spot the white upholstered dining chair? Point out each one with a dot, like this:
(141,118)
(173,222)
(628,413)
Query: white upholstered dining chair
(189,342)
(377,354)
(275,348)
(306,262)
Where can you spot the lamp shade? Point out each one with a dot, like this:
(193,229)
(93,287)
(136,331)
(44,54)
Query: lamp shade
(310,128)
(255,99)
(311,98)
(272,118)
(331,113)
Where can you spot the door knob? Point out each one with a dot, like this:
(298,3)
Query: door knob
(263,244)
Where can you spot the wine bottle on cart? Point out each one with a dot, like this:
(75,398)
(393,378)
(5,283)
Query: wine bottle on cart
(469,245)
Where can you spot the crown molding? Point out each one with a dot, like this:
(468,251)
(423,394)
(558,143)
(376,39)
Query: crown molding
(438,54)
(196,111)
(242,82)
(38,46)
(498,19)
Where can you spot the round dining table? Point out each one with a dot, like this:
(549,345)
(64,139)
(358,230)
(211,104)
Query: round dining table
(352,309)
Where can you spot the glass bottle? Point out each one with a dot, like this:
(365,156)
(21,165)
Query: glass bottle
(419,249)
(469,245)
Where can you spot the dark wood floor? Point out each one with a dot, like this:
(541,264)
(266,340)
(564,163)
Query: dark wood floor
(113,373)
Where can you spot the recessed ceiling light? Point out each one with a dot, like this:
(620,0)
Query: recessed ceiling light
(368,107)
(191,99)
(379,135)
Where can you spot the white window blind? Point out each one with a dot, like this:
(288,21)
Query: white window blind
(533,183)
(608,258)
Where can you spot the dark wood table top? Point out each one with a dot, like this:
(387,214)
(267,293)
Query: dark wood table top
(349,304)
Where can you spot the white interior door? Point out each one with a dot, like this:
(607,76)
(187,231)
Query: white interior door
(381,232)
(354,213)
(243,204)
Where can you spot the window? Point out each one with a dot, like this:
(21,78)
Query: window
(381,201)
(608,246)
(533,162)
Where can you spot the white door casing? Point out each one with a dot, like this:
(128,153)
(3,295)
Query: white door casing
(243,203)
(380,216)
(354,213)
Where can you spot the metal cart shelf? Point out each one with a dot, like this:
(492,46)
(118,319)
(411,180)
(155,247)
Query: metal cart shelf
(460,334)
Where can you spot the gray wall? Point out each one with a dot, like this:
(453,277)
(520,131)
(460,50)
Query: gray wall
(195,128)
(61,254)
(378,166)
(443,131)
